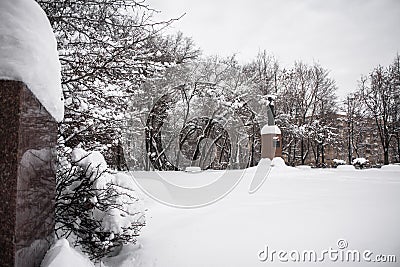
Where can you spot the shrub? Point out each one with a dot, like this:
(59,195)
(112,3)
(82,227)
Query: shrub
(337,162)
(95,209)
(361,163)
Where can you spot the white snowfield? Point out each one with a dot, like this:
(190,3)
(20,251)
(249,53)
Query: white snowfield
(295,210)
(28,52)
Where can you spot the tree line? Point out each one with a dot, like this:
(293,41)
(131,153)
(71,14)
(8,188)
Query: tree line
(117,62)
(316,126)
(374,108)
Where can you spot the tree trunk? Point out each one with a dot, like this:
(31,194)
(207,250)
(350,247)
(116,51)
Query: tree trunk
(350,152)
(302,151)
(294,151)
(386,156)
(398,148)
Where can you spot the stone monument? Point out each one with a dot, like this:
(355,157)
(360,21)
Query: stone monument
(30,106)
(271,144)
(28,136)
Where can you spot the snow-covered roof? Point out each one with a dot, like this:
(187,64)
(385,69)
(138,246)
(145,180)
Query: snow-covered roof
(270,129)
(28,52)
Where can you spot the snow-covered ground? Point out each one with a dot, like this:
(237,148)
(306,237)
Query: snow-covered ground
(295,210)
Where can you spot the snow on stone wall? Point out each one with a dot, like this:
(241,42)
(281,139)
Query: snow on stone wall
(28,52)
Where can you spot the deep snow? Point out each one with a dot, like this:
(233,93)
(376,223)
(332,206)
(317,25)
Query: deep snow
(295,209)
(62,255)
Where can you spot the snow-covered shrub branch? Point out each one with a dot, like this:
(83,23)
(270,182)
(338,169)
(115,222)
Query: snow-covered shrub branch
(97,210)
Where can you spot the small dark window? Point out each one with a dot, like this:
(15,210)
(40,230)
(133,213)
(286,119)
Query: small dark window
(277,143)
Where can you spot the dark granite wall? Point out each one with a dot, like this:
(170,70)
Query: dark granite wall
(9,125)
(28,136)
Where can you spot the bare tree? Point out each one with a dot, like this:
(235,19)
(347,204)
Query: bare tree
(351,106)
(307,94)
(263,73)
(107,50)
(380,94)
(394,110)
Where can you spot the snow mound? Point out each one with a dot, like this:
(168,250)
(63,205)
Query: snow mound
(28,52)
(126,257)
(278,162)
(303,167)
(62,255)
(192,169)
(346,167)
(391,167)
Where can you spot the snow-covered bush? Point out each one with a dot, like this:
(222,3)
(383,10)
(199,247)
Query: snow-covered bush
(337,162)
(360,163)
(95,210)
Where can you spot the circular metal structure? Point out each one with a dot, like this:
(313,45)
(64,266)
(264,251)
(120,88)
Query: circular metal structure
(203,140)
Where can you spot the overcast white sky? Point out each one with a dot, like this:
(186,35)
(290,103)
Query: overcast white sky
(348,37)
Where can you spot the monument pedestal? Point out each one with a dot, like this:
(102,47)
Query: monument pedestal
(271,142)
(28,136)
